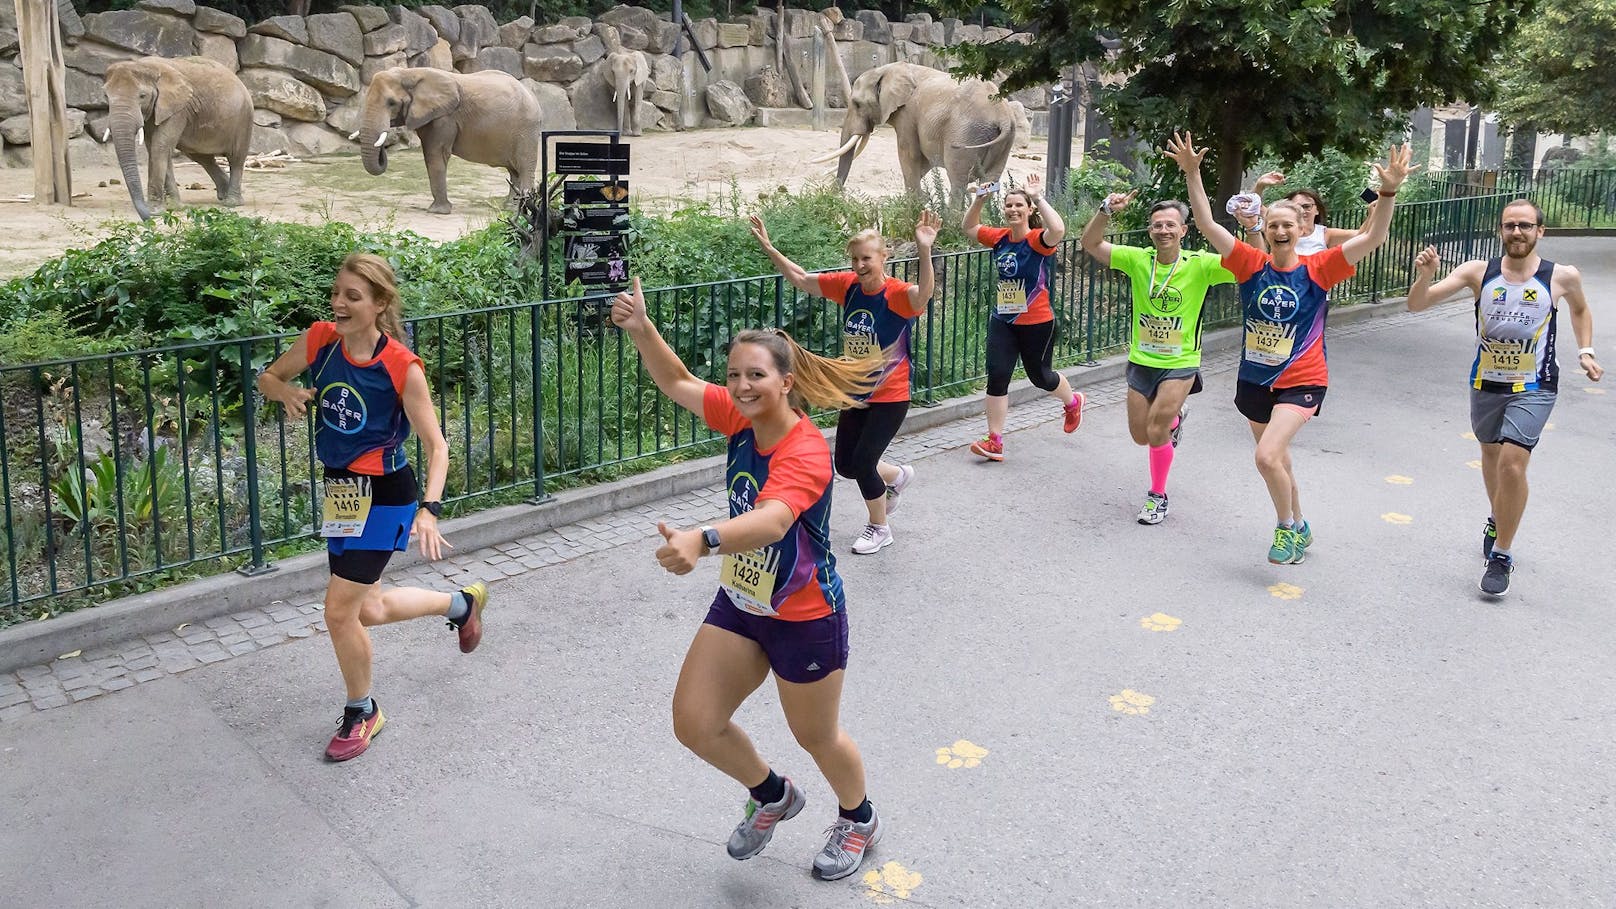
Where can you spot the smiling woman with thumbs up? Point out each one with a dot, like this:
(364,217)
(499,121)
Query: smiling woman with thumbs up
(780,604)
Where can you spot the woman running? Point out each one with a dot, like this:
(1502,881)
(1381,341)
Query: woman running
(1313,215)
(780,604)
(368,390)
(1283,375)
(878,314)
(1022,321)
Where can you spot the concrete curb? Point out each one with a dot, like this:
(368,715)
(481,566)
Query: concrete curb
(302,578)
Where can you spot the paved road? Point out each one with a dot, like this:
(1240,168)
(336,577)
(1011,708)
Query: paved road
(1364,729)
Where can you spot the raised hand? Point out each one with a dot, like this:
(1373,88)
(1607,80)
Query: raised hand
(760,232)
(680,549)
(1033,187)
(1116,202)
(926,228)
(1426,262)
(1397,168)
(628,310)
(1181,148)
(1268,180)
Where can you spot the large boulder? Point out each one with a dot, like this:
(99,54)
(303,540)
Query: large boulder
(93,57)
(1035,97)
(345,117)
(374,65)
(664,100)
(583,24)
(286,28)
(876,27)
(13,96)
(337,33)
(477,31)
(85,92)
(218,48)
(667,73)
(555,110)
(591,98)
(768,88)
(848,30)
(899,31)
(555,34)
(733,34)
(310,139)
(589,49)
(443,20)
(968,33)
(266,140)
(18,130)
(264,117)
(631,37)
(9,44)
(389,39)
(368,18)
(175,7)
(68,22)
(637,16)
(514,34)
(329,73)
(496,59)
(660,39)
(551,63)
(274,90)
(419,31)
(951,29)
(728,104)
(705,33)
(801,23)
(440,56)
(219,22)
(157,34)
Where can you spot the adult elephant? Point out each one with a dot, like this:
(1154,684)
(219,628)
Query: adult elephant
(192,104)
(487,117)
(628,71)
(958,126)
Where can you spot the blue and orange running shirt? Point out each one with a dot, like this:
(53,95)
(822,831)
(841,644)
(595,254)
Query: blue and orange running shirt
(359,420)
(1284,314)
(794,579)
(1023,292)
(873,323)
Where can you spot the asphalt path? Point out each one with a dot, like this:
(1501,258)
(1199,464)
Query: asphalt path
(1057,706)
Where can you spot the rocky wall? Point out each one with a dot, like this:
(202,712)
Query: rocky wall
(307,74)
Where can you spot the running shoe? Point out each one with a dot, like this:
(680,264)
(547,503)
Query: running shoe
(845,849)
(1489,536)
(1287,549)
(906,475)
(471,629)
(1178,428)
(875,538)
(1074,413)
(356,730)
(1304,535)
(1155,509)
(988,447)
(1495,580)
(757,828)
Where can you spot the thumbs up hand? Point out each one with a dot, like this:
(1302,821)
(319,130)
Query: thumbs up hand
(680,549)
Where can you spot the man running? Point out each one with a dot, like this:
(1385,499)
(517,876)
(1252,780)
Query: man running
(1514,379)
(1164,346)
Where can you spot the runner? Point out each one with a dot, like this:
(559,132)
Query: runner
(1022,321)
(1164,349)
(1283,374)
(1317,236)
(780,603)
(878,314)
(1514,378)
(368,390)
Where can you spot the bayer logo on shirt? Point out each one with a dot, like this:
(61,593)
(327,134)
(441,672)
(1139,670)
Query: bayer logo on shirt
(1278,303)
(342,408)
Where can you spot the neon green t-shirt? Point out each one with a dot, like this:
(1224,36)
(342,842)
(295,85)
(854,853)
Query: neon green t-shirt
(1167,304)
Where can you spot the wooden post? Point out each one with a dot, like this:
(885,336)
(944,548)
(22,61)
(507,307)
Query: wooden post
(44,74)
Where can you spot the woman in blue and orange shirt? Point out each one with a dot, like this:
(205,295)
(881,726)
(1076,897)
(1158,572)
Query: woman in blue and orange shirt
(367,389)
(878,314)
(1022,322)
(780,604)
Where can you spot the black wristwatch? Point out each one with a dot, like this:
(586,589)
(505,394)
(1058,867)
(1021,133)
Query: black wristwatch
(709,536)
(436,508)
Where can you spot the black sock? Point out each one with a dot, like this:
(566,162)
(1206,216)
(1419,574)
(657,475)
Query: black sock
(770,790)
(859,815)
(459,607)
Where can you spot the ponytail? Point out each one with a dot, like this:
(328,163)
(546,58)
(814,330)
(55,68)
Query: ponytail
(833,383)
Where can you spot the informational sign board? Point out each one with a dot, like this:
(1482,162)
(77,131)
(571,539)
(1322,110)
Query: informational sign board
(609,158)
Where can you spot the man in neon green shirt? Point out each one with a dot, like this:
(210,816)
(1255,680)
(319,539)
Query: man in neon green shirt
(1164,348)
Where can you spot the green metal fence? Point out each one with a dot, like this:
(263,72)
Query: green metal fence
(116,468)
(1569,197)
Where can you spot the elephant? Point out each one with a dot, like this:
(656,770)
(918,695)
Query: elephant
(192,104)
(959,126)
(629,71)
(487,117)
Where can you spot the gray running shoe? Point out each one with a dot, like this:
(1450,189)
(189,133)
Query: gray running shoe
(757,828)
(1495,580)
(1178,431)
(1155,510)
(906,475)
(845,849)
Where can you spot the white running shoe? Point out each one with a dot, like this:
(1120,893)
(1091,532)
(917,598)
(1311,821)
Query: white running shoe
(874,538)
(906,475)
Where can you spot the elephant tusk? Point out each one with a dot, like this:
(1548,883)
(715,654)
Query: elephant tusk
(862,142)
(140,136)
(105,135)
(353,136)
(840,151)
(381,139)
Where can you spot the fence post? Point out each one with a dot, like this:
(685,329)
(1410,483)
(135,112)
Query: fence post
(536,340)
(255,507)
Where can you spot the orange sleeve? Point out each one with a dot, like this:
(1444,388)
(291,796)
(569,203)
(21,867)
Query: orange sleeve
(1035,239)
(990,236)
(799,469)
(1244,260)
(319,335)
(898,299)
(833,285)
(1330,267)
(399,359)
(718,410)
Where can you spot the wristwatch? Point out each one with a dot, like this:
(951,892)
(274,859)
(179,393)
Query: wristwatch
(435,507)
(709,537)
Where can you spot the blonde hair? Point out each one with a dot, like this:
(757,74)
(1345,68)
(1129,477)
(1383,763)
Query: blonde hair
(833,383)
(1287,203)
(374,271)
(867,235)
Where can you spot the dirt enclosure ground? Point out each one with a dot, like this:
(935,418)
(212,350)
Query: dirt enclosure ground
(697,164)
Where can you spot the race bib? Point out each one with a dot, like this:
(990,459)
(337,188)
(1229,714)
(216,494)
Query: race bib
(1268,343)
(749,579)
(1163,337)
(346,506)
(858,345)
(1012,298)
(1512,367)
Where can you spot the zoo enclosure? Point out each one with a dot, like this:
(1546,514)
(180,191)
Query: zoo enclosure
(116,469)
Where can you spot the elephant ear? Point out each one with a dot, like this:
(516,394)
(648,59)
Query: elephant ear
(896,88)
(432,95)
(174,94)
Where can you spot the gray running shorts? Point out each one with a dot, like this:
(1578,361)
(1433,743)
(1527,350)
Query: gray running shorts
(1514,417)
(1144,379)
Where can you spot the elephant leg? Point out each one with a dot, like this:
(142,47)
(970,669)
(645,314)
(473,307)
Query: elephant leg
(232,191)
(437,173)
(160,175)
(221,185)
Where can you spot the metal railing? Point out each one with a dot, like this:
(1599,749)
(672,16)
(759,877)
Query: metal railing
(1570,197)
(117,468)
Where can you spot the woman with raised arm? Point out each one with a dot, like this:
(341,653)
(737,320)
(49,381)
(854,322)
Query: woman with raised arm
(1313,215)
(368,389)
(878,315)
(1022,322)
(1283,374)
(780,604)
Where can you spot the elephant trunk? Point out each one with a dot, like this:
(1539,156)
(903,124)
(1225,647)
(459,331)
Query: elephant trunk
(373,141)
(125,122)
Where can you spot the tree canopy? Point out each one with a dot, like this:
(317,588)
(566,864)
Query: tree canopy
(1280,77)
(1556,74)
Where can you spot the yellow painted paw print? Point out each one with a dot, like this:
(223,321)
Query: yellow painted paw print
(1285,591)
(1392,517)
(890,882)
(961,754)
(1399,480)
(1473,465)
(1547,426)
(1468,435)
(1160,622)
(1133,703)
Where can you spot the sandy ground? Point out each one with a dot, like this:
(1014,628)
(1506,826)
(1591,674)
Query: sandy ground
(697,164)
